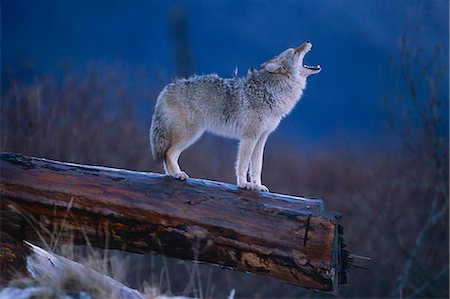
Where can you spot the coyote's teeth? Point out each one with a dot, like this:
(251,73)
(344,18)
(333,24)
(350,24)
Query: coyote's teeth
(310,67)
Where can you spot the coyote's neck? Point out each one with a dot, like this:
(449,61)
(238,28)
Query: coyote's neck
(287,92)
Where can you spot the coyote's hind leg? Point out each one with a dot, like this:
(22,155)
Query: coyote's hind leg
(188,136)
(171,166)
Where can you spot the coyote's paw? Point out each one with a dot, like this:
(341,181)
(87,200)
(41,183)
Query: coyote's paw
(253,186)
(261,188)
(180,175)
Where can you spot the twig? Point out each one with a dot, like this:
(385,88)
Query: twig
(423,287)
(433,218)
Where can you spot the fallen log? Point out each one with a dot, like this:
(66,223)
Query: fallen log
(288,238)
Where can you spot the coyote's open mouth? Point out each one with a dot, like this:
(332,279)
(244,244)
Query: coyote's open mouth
(305,48)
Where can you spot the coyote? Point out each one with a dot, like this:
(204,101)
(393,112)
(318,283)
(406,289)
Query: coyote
(248,109)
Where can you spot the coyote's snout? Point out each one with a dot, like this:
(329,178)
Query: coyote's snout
(248,109)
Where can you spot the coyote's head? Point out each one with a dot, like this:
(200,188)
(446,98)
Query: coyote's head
(290,62)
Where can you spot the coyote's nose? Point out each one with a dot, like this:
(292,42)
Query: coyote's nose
(306,45)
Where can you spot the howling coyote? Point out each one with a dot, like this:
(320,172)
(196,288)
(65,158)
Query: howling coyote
(248,109)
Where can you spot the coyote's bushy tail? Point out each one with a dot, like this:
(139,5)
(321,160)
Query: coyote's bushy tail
(159,135)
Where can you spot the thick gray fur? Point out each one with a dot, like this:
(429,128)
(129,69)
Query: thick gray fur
(248,109)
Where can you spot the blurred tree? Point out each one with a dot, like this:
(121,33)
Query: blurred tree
(183,54)
(419,116)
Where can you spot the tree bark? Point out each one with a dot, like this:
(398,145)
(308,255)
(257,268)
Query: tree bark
(288,238)
(13,255)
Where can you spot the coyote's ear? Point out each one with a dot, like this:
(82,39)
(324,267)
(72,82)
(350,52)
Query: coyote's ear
(275,67)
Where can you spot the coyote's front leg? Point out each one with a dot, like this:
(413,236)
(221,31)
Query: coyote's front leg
(247,146)
(257,162)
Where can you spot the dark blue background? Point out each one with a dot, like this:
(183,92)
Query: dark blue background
(357,43)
